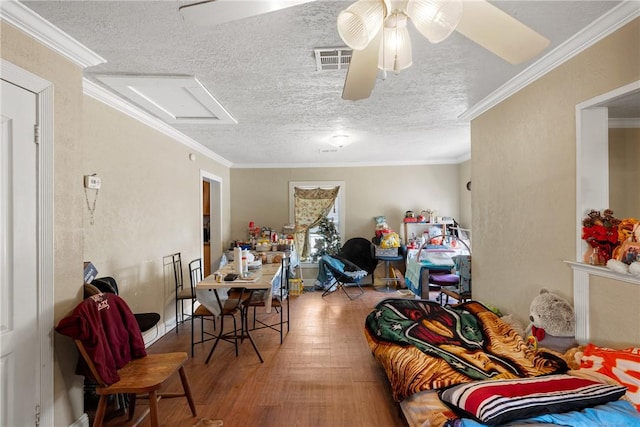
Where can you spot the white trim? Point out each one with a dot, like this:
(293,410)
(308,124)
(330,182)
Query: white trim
(601,100)
(213,218)
(591,145)
(581,275)
(26,20)
(586,148)
(83,421)
(600,28)
(100,94)
(44,91)
(594,270)
(444,161)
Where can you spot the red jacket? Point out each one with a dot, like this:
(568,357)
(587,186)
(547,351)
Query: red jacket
(109,331)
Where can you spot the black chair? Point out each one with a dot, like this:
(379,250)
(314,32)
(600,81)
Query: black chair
(361,252)
(229,308)
(182,293)
(279,302)
(200,311)
(108,284)
(348,274)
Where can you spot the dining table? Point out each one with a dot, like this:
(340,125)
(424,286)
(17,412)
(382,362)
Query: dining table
(213,290)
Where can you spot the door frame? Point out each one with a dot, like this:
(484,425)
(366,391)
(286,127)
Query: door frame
(215,215)
(45,264)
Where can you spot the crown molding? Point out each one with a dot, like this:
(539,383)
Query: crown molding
(447,161)
(608,23)
(100,94)
(26,20)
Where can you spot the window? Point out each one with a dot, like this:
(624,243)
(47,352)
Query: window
(336,213)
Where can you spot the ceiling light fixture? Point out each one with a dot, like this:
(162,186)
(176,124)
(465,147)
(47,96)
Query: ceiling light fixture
(360,23)
(395,49)
(339,141)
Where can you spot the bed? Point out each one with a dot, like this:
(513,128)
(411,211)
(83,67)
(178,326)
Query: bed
(464,366)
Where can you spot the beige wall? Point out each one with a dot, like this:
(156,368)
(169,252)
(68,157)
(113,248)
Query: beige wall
(624,172)
(262,195)
(148,207)
(524,186)
(464,195)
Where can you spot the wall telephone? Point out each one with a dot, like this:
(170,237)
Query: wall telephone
(92,181)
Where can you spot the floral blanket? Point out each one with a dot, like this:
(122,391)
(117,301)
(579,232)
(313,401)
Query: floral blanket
(423,345)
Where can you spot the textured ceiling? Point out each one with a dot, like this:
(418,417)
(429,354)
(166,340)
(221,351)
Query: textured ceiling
(262,70)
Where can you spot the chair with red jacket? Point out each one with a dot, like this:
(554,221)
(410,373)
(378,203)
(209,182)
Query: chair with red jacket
(113,354)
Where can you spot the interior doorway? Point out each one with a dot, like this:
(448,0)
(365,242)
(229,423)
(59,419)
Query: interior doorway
(211,221)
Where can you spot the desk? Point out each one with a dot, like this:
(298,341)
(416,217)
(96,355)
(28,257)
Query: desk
(265,278)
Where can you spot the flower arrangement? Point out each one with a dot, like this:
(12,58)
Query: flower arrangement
(600,231)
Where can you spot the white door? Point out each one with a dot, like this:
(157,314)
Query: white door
(19,339)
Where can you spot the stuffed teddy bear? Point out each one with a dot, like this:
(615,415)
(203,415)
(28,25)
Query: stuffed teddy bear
(553,322)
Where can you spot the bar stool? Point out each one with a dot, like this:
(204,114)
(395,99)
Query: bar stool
(389,276)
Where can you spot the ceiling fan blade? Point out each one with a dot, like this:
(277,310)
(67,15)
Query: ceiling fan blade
(215,12)
(499,32)
(362,71)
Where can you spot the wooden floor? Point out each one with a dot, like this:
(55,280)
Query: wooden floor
(322,375)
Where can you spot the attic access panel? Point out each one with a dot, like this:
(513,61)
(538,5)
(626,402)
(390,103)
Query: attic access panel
(173,99)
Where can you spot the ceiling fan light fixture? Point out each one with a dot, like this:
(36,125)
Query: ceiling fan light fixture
(435,19)
(359,23)
(395,49)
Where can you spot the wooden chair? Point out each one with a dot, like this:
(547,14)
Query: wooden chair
(141,378)
(103,327)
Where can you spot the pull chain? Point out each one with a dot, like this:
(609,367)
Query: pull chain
(91,207)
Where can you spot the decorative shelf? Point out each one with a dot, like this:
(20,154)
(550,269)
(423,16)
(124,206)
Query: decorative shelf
(581,274)
(597,270)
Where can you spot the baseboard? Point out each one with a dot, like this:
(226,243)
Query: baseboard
(83,421)
(154,334)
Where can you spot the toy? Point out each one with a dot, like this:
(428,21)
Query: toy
(634,268)
(552,322)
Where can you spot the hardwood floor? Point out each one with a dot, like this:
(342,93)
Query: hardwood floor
(322,375)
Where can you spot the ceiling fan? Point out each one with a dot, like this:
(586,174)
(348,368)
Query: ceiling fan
(376,30)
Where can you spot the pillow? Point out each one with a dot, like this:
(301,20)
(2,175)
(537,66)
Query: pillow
(496,402)
(620,365)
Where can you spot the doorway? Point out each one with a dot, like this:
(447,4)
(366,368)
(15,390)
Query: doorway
(211,221)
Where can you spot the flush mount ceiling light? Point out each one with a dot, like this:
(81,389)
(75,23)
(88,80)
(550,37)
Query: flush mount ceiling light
(339,141)
(376,30)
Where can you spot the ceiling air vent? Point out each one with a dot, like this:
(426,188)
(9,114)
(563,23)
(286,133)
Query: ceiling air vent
(333,58)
